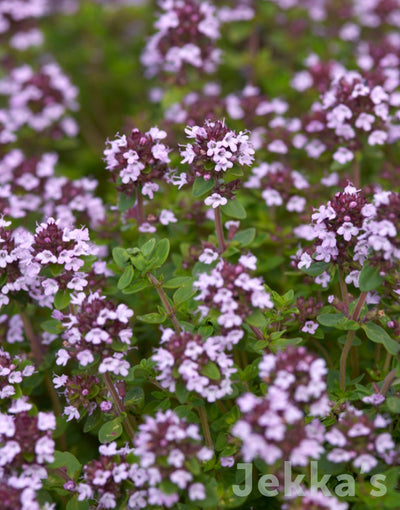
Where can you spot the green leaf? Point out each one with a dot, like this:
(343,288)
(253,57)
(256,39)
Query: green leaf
(211,370)
(379,335)
(92,421)
(74,504)
(161,253)
(181,392)
(331,320)
(338,321)
(148,247)
(245,237)
(183,294)
(257,319)
(67,460)
(61,300)
(393,404)
(125,202)
(126,278)
(135,397)
(315,269)
(110,430)
(138,261)
(136,286)
(234,209)
(370,278)
(55,270)
(174,283)
(202,187)
(120,256)
(152,318)
(52,326)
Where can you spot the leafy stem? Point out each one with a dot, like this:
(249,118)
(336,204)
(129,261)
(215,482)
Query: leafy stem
(118,405)
(163,297)
(349,341)
(205,426)
(219,229)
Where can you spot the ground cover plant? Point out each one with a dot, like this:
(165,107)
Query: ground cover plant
(199,254)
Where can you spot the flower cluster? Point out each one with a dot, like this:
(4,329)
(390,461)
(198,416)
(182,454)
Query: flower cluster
(63,247)
(137,159)
(237,10)
(351,230)
(18,22)
(232,292)
(215,150)
(253,107)
(203,366)
(91,330)
(336,228)
(163,446)
(14,261)
(83,394)
(273,427)
(41,100)
(280,185)
(381,227)
(11,328)
(319,74)
(136,162)
(361,440)
(12,371)
(355,111)
(248,105)
(24,436)
(187,31)
(29,185)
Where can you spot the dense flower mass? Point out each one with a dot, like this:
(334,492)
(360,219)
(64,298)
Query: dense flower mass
(336,228)
(91,330)
(26,447)
(18,22)
(215,151)
(230,290)
(41,100)
(163,446)
(186,36)
(280,185)
(203,366)
(273,427)
(138,159)
(362,441)
(356,110)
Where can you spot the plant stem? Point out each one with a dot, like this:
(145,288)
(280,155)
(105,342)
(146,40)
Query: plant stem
(205,426)
(343,289)
(163,297)
(319,346)
(38,355)
(119,405)
(349,341)
(56,406)
(219,229)
(354,362)
(356,173)
(257,332)
(387,382)
(33,339)
(139,206)
(388,360)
